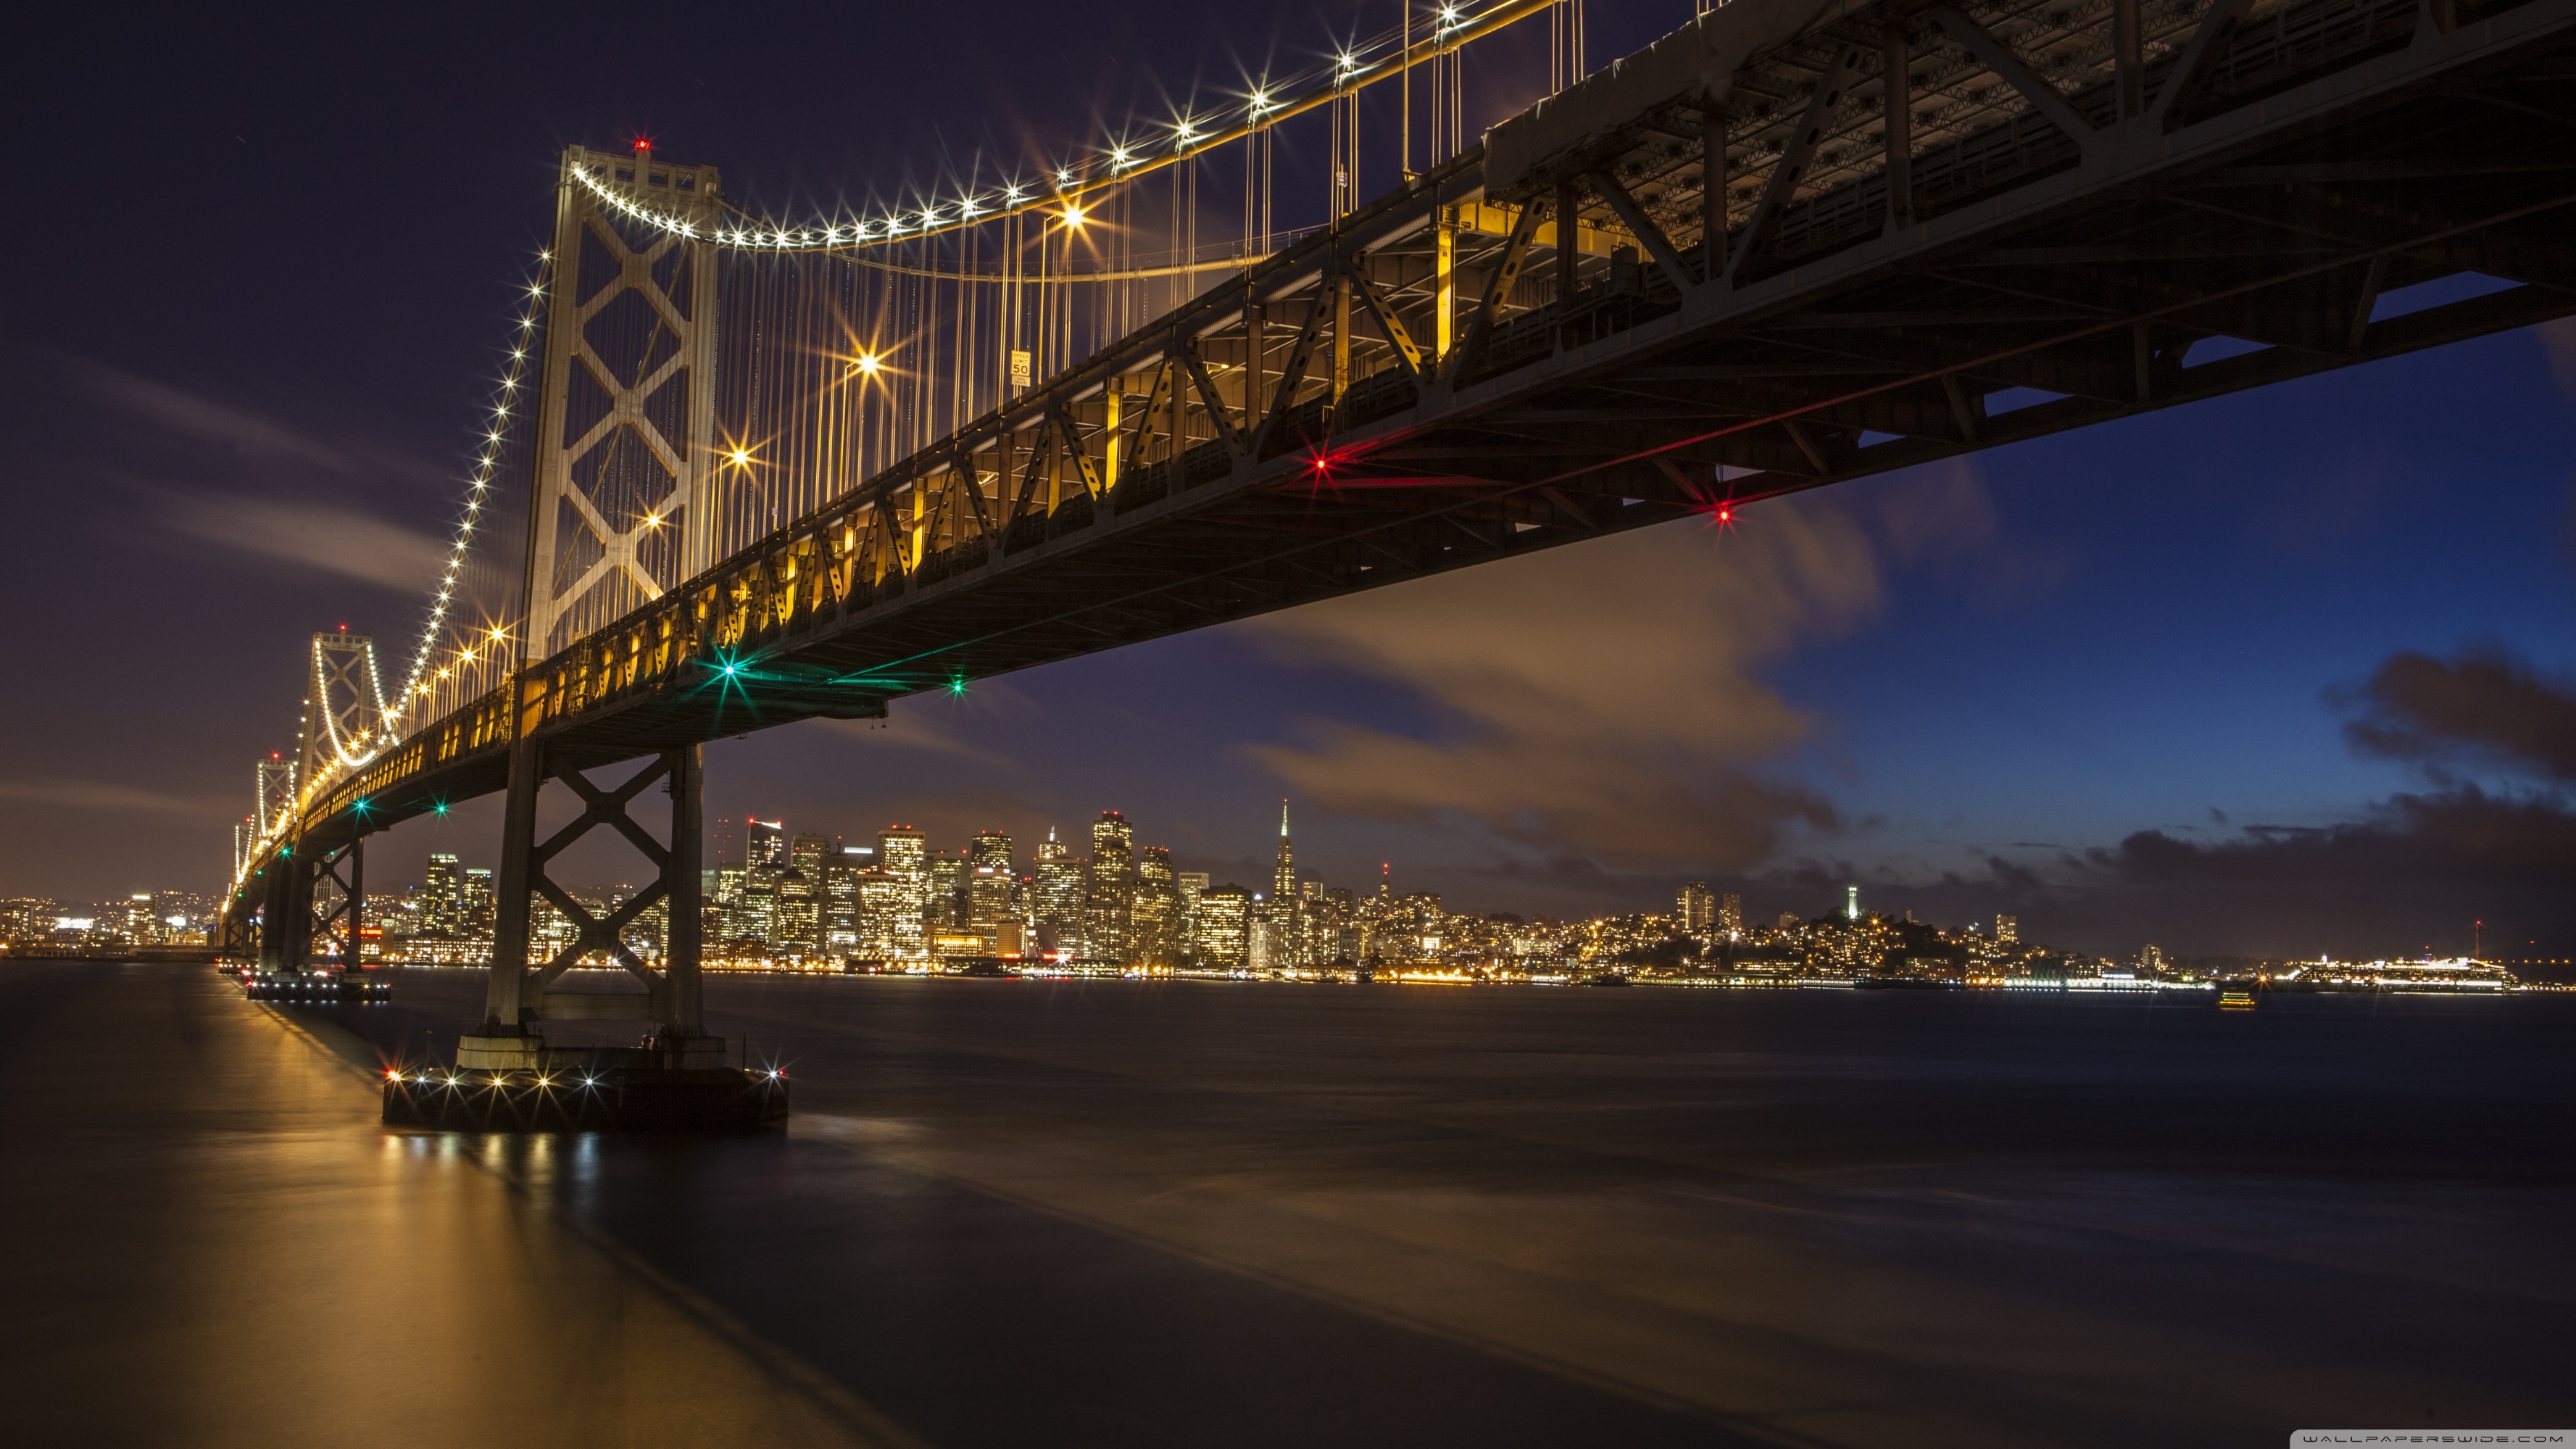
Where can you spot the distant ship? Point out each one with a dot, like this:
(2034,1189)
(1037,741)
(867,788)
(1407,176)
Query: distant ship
(2236,1001)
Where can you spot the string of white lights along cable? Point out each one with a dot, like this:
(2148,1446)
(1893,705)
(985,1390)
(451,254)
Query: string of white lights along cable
(351,753)
(496,429)
(1117,161)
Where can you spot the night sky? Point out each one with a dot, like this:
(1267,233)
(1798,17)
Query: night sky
(2286,672)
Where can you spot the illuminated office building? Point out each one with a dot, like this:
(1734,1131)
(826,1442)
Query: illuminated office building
(1113,888)
(903,856)
(1155,919)
(1224,934)
(1697,909)
(988,883)
(1061,899)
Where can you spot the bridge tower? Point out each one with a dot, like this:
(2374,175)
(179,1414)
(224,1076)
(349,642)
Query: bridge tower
(343,727)
(622,509)
(344,712)
(624,501)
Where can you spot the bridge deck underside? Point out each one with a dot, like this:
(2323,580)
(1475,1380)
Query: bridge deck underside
(1618,389)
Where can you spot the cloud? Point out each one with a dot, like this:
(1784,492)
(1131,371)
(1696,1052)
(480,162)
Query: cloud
(2483,704)
(941,723)
(93,796)
(2458,835)
(186,413)
(319,536)
(2411,869)
(1598,698)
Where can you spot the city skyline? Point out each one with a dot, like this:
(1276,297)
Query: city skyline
(785,897)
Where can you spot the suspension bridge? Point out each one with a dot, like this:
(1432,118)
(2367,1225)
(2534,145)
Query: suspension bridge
(780,470)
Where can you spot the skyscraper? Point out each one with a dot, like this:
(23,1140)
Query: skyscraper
(841,871)
(765,843)
(476,904)
(799,918)
(1285,936)
(988,882)
(947,893)
(804,901)
(1113,888)
(1156,917)
(2007,930)
(885,908)
(1697,909)
(806,853)
(903,856)
(1192,884)
(442,898)
(1225,918)
(756,909)
(1730,916)
(1063,898)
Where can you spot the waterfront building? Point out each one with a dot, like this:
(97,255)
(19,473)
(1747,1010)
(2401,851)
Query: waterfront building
(888,923)
(755,912)
(1155,919)
(442,897)
(841,871)
(28,918)
(905,857)
(799,916)
(479,906)
(1696,908)
(1284,901)
(947,892)
(1113,888)
(988,882)
(1061,898)
(1224,928)
(1192,884)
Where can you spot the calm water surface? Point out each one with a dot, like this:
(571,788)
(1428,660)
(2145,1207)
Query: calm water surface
(1021,1213)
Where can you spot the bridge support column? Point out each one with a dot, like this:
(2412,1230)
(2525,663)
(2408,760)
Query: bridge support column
(339,919)
(286,929)
(503,1041)
(516,999)
(685,905)
(276,916)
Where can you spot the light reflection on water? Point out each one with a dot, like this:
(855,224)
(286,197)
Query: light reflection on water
(1369,1216)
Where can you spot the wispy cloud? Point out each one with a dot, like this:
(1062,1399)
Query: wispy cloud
(179,411)
(319,536)
(1598,699)
(95,796)
(940,724)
